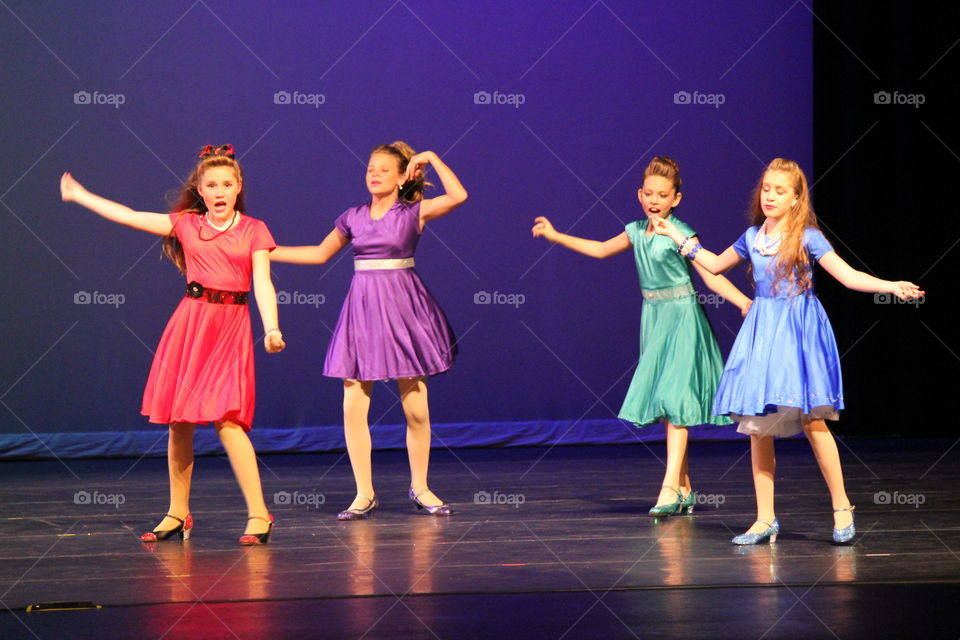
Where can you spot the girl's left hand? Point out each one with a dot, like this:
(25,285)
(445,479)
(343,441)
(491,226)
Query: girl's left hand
(415,166)
(273,342)
(906,290)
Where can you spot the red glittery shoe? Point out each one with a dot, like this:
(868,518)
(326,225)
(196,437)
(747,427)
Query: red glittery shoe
(186,525)
(258,538)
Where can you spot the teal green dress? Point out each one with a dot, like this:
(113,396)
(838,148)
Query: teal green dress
(680,363)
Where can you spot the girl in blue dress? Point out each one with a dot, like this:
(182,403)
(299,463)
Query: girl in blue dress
(783,373)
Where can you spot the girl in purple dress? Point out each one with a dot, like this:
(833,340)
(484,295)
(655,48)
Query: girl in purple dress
(390,326)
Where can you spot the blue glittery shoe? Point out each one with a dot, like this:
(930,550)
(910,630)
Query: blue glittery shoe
(773,528)
(846,534)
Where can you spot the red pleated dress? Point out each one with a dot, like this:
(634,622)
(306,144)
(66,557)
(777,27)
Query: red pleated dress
(203,368)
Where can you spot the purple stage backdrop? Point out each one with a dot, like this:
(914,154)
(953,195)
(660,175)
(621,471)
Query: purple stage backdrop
(540,111)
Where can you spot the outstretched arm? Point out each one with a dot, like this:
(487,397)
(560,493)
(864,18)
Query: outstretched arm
(312,254)
(725,289)
(266,301)
(860,281)
(155,223)
(715,264)
(441,205)
(593,248)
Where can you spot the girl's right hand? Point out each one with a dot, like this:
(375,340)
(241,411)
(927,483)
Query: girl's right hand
(906,290)
(69,188)
(662,226)
(543,228)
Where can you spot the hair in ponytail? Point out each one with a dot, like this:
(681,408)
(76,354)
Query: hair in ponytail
(411,191)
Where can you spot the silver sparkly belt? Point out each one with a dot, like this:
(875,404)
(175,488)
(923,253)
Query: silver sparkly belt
(387,263)
(670,293)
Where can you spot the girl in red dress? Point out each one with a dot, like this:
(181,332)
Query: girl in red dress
(203,368)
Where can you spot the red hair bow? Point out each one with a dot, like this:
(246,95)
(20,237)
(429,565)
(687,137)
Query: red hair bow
(222,150)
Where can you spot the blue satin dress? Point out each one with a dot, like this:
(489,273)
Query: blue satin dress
(784,367)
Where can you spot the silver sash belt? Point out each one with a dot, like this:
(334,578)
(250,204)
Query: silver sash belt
(670,293)
(387,263)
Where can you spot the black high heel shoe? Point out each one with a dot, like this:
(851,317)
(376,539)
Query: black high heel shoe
(186,526)
(258,538)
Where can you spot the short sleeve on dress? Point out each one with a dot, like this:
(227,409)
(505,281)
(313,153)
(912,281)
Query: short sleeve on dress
(742,245)
(683,227)
(177,219)
(816,244)
(633,230)
(342,224)
(262,238)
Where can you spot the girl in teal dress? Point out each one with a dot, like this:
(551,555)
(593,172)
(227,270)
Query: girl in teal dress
(680,363)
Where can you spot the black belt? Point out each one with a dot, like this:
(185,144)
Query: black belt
(216,296)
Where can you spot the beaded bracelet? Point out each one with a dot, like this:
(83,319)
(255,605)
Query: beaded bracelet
(683,245)
(693,252)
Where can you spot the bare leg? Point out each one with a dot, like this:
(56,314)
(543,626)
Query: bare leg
(676,463)
(413,396)
(356,431)
(764,464)
(180,469)
(243,460)
(828,459)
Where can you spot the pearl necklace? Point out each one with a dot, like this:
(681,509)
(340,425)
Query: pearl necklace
(766,246)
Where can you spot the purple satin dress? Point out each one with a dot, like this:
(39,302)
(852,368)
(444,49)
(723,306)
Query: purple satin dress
(390,326)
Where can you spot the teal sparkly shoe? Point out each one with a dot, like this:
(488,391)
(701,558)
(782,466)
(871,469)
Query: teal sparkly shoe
(686,507)
(773,528)
(668,509)
(846,534)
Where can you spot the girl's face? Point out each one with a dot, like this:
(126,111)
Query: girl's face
(383,174)
(219,188)
(658,196)
(777,196)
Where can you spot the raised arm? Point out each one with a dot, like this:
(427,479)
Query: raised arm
(312,254)
(593,248)
(715,264)
(266,297)
(454,195)
(860,281)
(155,223)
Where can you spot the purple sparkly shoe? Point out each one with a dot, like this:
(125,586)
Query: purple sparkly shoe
(437,510)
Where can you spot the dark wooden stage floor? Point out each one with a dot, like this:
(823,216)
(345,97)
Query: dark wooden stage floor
(544,544)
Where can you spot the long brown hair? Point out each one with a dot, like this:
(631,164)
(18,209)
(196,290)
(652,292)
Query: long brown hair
(411,191)
(792,264)
(189,200)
